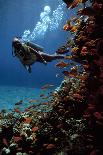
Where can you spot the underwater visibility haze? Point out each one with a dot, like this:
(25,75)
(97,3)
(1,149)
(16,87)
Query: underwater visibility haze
(40,22)
(55,107)
(18,16)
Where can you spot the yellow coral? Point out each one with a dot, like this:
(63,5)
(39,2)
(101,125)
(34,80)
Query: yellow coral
(75,49)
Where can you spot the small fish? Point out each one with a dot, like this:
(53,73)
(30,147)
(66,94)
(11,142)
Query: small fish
(45,103)
(62,51)
(65,27)
(33,100)
(68,57)
(72,3)
(17,110)
(68,27)
(71,73)
(47,86)
(46,97)
(30,107)
(42,95)
(74,29)
(66,73)
(18,103)
(75,49)
(75,3)
(62,64)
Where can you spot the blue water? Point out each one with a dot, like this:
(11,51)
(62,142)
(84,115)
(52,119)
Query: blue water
(10,95)
(16,17)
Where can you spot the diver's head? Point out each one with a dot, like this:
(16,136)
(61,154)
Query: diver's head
(16,43)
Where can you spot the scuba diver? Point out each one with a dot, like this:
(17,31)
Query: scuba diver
(28,53)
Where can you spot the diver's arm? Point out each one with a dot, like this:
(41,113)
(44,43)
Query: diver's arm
(13,53)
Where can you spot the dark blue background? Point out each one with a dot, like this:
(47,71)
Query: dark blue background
(15,17)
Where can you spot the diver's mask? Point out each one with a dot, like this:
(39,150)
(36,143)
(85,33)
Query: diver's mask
(16,44)
(16,47)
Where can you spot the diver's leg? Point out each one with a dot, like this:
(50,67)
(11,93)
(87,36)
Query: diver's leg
(49,58)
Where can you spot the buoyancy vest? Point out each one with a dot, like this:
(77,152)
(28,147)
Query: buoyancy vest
(26,56)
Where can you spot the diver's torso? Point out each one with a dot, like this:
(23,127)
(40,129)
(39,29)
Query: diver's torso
(26,56)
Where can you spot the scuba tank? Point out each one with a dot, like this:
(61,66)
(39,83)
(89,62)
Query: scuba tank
(34,46)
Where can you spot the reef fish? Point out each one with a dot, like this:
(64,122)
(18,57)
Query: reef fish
(62,51)
(62,64)
(70,27)
(42,95)
(17,110)
(18,103)
(66,73)
(71,73)
(47,86)
(75,49)
(33,100)
(75,3)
